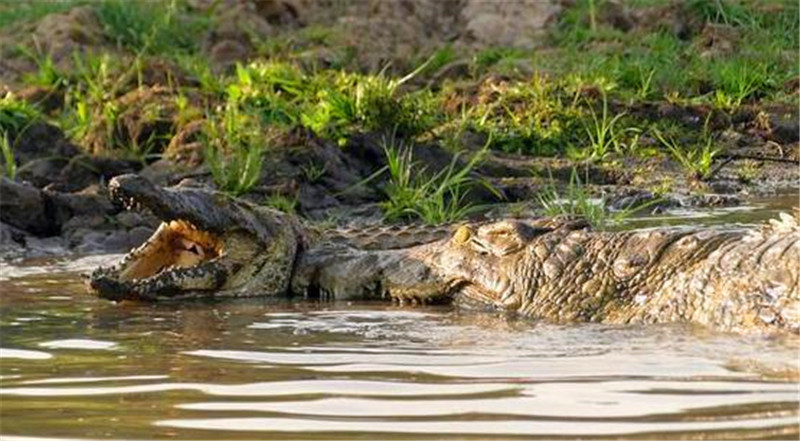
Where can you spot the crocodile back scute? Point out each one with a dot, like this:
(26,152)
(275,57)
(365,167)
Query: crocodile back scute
(390,237)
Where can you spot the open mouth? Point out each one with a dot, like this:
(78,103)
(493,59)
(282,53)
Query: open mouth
(177,244)
(180,258)
(177,260)
(208,244)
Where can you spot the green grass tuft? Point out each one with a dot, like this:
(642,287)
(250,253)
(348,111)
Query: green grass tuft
(234,151)
(697,159)
(9,163)
(151,27)
(435,199)
(576,201)
(17,115)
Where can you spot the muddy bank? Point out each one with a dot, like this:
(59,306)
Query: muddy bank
(324,90)
(61,205)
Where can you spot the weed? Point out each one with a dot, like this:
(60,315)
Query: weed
(748,171)
(313,172)
(697,160)
(282,203)
(233,151)
(9,163)
(150,27)
(47,74)
(435,199)
(578,202)
(604,137)
(16,115)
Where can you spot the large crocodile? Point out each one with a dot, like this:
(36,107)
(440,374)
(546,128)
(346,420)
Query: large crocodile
(556,269)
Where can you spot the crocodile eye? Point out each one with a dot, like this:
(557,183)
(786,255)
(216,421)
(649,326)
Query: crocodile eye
(462,235)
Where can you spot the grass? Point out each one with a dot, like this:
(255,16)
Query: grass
(198,69)
(282,203)
(17,115)
(97,80)
(313,172)
(9,163)
(433,198)
(697,160)
(14,12)
(333,104)
(233,151)
(576,201)
(47,74)
(748,171)
(737,80)
(535,116)
(603,135)
(151,27)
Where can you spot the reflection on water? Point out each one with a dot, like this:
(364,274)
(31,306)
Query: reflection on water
(77,367)
(74,367)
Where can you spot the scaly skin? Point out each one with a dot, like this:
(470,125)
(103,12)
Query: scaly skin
(743,279)
(556,269)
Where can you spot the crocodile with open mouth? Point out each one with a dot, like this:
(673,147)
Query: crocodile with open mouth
(557,269)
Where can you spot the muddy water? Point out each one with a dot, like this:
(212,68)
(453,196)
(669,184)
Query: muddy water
(74,367)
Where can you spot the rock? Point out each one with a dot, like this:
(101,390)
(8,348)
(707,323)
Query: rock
(25,207)
(129,219)
(90,201)
(89,222)
(139,235)
(42,140)
(17,244)
(42,172)
(61,34)
(785,128)
(228,52)
(48,99)
(516,24)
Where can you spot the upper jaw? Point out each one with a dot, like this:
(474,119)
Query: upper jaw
(209,211)
(205,210)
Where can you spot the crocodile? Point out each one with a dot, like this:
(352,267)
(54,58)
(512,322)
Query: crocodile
(557,269)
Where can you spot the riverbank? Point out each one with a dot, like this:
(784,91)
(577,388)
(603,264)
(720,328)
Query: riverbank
(354,112)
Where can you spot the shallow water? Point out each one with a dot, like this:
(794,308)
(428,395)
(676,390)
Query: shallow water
(75,367)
